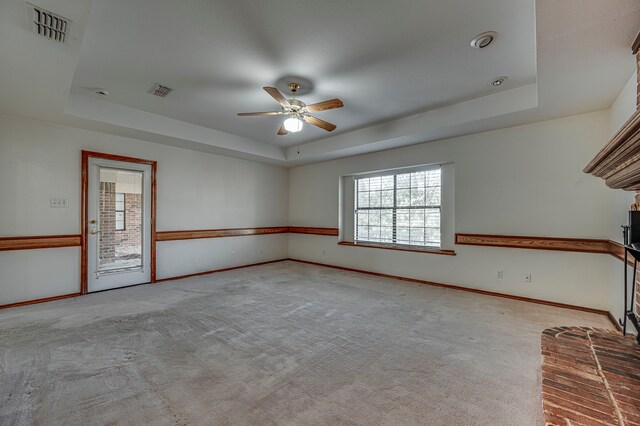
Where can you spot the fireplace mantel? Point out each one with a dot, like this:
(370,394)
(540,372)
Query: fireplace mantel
(618,163)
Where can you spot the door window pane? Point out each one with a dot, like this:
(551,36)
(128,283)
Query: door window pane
(120,212)
(120,220)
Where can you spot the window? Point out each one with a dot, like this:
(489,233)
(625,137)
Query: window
(120,212)
(399,207)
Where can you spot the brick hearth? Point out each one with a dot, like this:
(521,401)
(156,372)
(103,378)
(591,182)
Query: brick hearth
(590,377)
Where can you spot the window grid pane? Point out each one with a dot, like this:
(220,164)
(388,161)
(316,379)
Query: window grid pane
(402,208)
(120,212)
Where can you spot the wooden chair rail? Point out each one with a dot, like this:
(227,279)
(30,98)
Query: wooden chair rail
(39,242)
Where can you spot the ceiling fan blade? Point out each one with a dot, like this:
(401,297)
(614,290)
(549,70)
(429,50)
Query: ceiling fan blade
(321,106)
(279,97)
(282,131)
(245,114)
(319,123)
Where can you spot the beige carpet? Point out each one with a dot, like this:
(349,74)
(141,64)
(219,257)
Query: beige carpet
(285,343)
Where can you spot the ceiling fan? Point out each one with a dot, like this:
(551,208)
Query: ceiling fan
(297,111)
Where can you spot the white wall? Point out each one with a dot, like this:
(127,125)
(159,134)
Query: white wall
(621,110)
(40,161)
(525,180)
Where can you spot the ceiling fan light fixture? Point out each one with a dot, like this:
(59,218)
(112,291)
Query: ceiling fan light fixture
(293,124)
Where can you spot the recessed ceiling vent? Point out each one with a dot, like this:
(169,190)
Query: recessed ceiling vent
(160,90)
(48,24)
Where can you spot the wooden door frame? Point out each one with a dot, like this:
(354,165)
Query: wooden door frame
(84,208)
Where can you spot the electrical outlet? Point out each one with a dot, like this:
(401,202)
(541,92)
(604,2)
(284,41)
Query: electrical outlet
(500,274)
(527,278)
(324,252)
(58,203)
(260,251)
(233,253)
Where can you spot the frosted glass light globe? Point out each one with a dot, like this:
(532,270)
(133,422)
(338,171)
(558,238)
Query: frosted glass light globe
(293,124)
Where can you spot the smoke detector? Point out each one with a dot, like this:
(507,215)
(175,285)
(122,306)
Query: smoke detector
(47,24)
(483,40)
(160,90)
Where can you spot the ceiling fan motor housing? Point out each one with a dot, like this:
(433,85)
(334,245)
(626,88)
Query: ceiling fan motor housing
(296,105)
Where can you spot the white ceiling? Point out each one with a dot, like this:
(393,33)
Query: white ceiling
(404,69)
(383,59)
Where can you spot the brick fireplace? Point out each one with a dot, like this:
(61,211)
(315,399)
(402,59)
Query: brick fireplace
(618,163)
(590,377)
(593,376)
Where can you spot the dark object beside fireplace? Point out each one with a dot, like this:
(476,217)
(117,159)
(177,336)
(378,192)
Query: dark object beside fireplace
(634,230)
(632,247)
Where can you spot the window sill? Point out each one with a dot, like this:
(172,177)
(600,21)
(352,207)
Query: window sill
(426,250)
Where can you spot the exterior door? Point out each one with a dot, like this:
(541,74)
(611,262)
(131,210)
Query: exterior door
(119,224)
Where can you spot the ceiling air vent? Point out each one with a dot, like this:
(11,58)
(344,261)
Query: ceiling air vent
(48,24)
(160,90)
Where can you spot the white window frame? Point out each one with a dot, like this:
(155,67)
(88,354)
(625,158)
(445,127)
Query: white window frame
(423,241)
(395,240)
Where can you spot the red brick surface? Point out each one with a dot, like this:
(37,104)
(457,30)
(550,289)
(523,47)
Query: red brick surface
(590,377)
(111,240)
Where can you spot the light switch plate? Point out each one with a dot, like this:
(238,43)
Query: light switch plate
(59,203)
